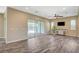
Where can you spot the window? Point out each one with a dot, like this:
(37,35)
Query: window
(42,27)
(52,25)
(73,24)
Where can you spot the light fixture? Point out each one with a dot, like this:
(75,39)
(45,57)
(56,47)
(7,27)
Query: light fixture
(26,8)
(64,8)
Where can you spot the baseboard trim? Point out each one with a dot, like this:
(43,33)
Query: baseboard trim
(7,42)
(2,37)
(72,35)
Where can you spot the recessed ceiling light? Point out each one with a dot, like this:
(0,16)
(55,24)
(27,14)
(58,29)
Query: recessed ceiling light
(26,8)
(64,8)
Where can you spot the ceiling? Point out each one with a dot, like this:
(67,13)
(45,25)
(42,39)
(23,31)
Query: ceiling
(49,11)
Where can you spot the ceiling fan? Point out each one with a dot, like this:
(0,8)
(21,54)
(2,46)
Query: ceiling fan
(57,16)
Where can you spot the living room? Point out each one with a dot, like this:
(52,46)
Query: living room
(41,29)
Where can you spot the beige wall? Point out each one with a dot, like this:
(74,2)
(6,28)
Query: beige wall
(78,27)
(17,25)
(1,26)
(67,25)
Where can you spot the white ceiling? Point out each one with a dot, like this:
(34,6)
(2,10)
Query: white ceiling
(49,11)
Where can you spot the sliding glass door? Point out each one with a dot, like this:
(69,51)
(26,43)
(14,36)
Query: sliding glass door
(35,28)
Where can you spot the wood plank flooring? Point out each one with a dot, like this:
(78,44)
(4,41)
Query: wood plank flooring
(44,44)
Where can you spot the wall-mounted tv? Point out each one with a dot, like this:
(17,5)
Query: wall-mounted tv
(61,24)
